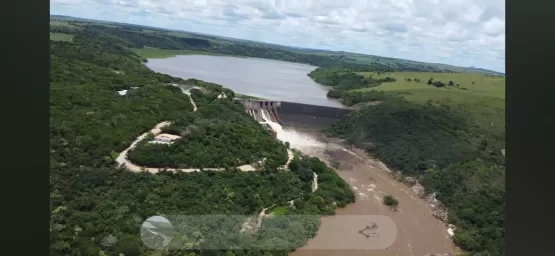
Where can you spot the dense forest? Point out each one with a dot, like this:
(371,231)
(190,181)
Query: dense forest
(444,147)
(227,136)
(287,229)
(97,209)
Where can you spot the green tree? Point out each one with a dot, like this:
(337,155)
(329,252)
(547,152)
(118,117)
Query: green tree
(391,201)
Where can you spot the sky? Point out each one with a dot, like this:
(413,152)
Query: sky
(457,32)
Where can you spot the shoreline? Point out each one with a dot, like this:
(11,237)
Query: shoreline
(310,84)
(157,53)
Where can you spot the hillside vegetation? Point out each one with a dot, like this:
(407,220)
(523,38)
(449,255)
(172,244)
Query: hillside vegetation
(61,37)
(445,129)
(418,86)
(227,135)
(170,43)
(97,209)
(480,97)
(156,53)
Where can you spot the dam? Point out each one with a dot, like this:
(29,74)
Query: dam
(290,114)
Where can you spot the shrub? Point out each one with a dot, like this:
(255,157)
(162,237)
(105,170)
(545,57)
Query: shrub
(389,200)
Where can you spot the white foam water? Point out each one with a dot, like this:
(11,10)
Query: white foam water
(296,140)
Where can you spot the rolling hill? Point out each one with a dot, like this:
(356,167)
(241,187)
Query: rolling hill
(137,36)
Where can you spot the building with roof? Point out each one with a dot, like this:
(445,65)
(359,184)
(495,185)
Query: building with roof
(165,138)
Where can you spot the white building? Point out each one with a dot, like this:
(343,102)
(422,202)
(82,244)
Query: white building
(165,138)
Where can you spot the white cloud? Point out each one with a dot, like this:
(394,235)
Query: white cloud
(458,32)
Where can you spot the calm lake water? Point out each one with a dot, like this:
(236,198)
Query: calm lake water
(269,79)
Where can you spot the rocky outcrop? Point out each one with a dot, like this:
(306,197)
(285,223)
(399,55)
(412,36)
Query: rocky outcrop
(410,180)
(419,190)
(440,213)
(451,229)
(431,198)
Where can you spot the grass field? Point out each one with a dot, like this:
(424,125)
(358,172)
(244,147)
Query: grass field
(155,53)
(484,97)
(60,23)
(280,210)
(61,37)
(473,89)
(473,83)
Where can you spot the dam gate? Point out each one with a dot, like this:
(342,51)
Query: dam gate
(294,114)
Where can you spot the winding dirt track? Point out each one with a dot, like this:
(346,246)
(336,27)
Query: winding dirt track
(123,161)
(188,92)
(122,158)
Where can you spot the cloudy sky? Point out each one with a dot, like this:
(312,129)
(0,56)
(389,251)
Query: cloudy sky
(457,32)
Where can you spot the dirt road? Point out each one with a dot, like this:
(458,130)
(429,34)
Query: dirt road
(122,158)
(188,92)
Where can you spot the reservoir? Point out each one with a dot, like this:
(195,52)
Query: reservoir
(269,79)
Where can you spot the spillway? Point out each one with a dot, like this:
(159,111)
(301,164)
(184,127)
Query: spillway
(298,115)
(295,139)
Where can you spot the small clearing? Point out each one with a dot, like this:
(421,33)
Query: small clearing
(61,37)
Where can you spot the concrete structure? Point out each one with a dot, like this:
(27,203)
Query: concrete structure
(309,116)
(165,138)
(124,92)
(259,104)
(295,114)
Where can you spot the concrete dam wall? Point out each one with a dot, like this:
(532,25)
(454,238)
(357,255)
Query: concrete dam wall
(290,114)
(309,116)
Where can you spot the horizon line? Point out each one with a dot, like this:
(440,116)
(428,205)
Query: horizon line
(290,46)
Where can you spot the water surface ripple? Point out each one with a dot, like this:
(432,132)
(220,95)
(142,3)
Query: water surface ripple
(269,79)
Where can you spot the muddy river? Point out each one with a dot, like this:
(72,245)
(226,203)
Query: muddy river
(418,232)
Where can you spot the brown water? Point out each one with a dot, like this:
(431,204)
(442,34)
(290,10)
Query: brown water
(418,232)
